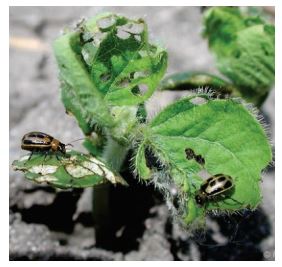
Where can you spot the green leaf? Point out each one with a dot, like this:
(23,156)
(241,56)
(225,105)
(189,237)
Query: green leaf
(123,65)
(75,170)
(75,108)
(141,167)
(104,63)
(75,77)
(228,138)
(245,50)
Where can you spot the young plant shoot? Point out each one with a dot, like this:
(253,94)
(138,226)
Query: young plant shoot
(210,150)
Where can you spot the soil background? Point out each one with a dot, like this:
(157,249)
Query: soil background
(50,225)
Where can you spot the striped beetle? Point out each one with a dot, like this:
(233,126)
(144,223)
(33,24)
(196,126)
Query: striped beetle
(42,142)
(214,186)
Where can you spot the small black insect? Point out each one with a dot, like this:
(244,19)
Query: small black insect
(42,142)
(190,154)
(200,159)
(214,186)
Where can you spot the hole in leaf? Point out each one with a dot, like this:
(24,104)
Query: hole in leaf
(124,82)
(88,53)
(135,28)
(135,90)
(122,34)
(137,37)
(140,74)
(106,23)
(131,75)
(198,100)
(98,37)
(132,28)
(105,77)
(87,37)
(143,88)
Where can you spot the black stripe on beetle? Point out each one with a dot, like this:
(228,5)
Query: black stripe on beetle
(214,186)
(41,142)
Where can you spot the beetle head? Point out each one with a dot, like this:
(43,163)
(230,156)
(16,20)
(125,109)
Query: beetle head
(62,148)
(200,198)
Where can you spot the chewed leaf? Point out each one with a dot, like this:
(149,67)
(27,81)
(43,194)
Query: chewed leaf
(122,64)
(75,77)
(105,63)
(213,137)
(75,170)
(75,107)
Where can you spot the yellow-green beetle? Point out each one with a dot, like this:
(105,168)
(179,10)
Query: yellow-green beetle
(214,186)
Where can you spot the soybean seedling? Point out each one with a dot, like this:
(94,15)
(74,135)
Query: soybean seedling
(108,69)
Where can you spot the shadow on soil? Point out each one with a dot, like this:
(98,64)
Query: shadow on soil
(235,237)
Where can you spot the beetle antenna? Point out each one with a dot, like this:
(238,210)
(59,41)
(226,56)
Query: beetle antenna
(69,145)
(75,140)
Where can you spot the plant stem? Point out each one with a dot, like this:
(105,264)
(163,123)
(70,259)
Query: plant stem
(114,154)
(104,222)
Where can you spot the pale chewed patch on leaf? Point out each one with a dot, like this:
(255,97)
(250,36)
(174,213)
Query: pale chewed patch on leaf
(77,171)
(24,158)
(46,179)
(93,167)
(107,22)
(114,57)
(99,168)
(43,169)
(97,161)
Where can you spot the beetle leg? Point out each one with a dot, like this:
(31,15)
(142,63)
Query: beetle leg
(238,202)
(45,155)
(215,203)
(29,157)
(57,157)
(42,163)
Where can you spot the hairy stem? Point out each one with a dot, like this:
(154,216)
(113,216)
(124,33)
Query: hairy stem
(114,154)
